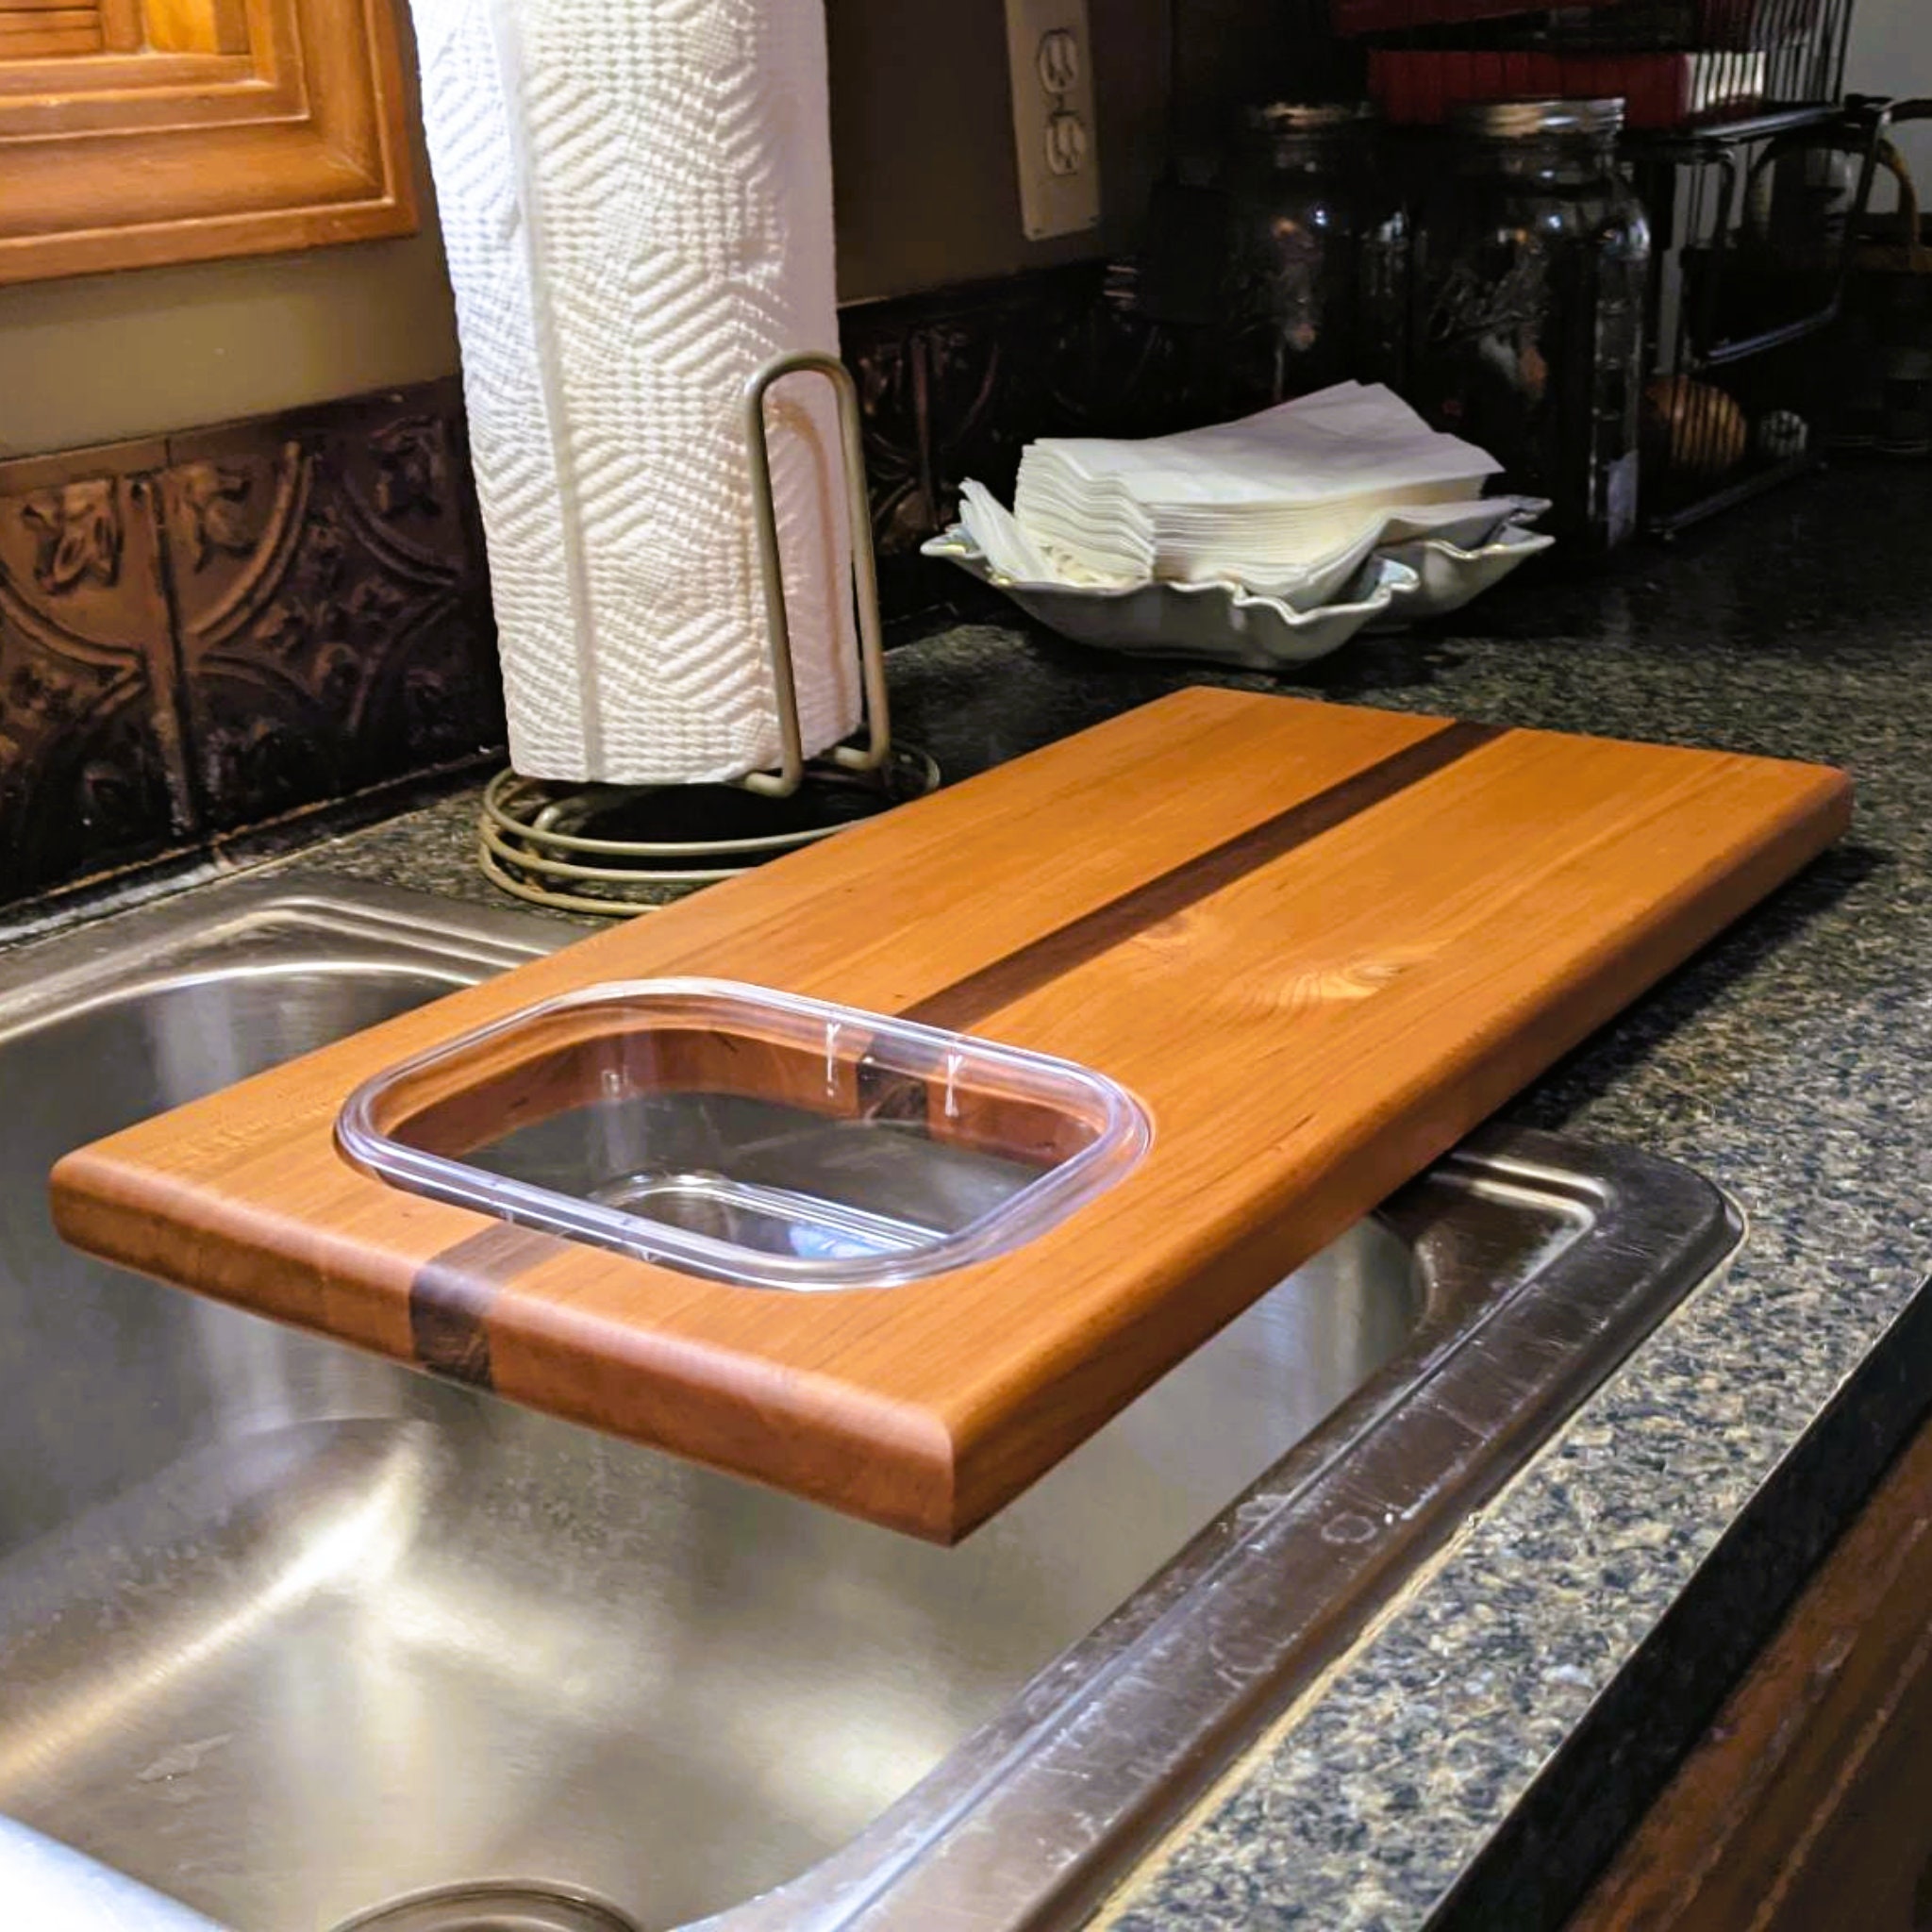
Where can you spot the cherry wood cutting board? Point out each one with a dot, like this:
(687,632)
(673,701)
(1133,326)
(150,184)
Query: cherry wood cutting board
(1319,943)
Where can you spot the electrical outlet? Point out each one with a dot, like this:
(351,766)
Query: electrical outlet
(1049,59)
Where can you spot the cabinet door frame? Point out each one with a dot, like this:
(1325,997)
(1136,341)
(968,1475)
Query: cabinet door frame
(234,127)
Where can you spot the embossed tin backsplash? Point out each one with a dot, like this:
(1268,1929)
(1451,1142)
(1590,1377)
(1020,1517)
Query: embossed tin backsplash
(203,632)
(953,386)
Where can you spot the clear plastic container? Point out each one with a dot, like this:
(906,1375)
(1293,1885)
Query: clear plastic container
(750,1136)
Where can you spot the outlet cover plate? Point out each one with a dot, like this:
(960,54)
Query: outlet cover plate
(1050,64)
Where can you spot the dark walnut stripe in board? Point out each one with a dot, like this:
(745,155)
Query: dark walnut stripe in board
(966,1002)
(451,1295)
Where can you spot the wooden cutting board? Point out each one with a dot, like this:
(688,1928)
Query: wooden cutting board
(1319,943)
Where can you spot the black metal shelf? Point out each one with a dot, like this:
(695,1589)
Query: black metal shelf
(1730,308)
(1769,476)
(1723,355)
(1764,124)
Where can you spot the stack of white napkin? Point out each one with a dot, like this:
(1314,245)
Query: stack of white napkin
(1291,500)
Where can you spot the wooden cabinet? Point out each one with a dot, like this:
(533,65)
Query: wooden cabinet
(1806,1806)
(140,131)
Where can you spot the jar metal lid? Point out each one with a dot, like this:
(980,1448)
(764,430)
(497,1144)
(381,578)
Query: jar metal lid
(1527,120)
(1308,117)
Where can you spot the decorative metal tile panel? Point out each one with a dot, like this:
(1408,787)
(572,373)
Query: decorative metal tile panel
(332,604)
(91,771)
(954,384)
(202,632)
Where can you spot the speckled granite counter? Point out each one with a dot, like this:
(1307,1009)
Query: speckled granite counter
(1481,1749)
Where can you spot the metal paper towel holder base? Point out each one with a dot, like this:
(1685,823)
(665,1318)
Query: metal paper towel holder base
(527,843)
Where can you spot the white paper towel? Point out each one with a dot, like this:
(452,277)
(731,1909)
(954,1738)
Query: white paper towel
(637,205)
(48,1886)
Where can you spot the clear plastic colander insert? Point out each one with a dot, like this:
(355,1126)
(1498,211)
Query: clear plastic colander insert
(754,1137)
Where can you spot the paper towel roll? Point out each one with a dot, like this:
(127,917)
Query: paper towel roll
(49,1887)
(637,206)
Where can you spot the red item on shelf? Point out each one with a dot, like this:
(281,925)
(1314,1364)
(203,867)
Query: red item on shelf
(1391,16)
(1417,87)
(1755,23)
(1730,23)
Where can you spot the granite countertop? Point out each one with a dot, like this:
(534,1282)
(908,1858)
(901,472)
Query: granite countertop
(1491,1737)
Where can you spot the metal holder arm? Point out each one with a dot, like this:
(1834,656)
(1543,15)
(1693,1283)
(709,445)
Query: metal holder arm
(872,658)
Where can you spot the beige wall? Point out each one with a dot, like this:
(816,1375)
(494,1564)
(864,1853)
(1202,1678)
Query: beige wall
(99,358)
(922,166)
(1890,53)
(926,196)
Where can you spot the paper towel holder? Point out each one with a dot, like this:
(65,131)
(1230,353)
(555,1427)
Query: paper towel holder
(865,579)
(529,844)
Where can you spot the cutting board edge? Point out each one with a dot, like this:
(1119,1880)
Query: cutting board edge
(956,1448)
(847,1445)
(137,1220)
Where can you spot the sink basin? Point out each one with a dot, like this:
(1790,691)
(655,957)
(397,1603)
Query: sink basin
(287,1633)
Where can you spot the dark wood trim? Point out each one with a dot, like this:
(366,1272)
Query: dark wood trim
(451,1295)
(1806,1806)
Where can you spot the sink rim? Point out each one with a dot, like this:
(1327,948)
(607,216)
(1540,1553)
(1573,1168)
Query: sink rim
(1276,1585)
(1203,1655)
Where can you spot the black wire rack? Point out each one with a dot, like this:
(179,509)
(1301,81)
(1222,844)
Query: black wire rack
(1755,173)
(1676,63)
(1754,222)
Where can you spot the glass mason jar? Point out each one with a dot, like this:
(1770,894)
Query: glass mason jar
(1314,250)
(1532,268)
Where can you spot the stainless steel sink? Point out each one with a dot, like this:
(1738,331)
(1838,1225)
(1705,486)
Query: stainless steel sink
(287,1633)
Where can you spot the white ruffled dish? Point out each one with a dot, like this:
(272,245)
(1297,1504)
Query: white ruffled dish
(1448,576)
(1215,624)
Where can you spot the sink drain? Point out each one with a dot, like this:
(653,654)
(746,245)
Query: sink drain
(495,1905)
